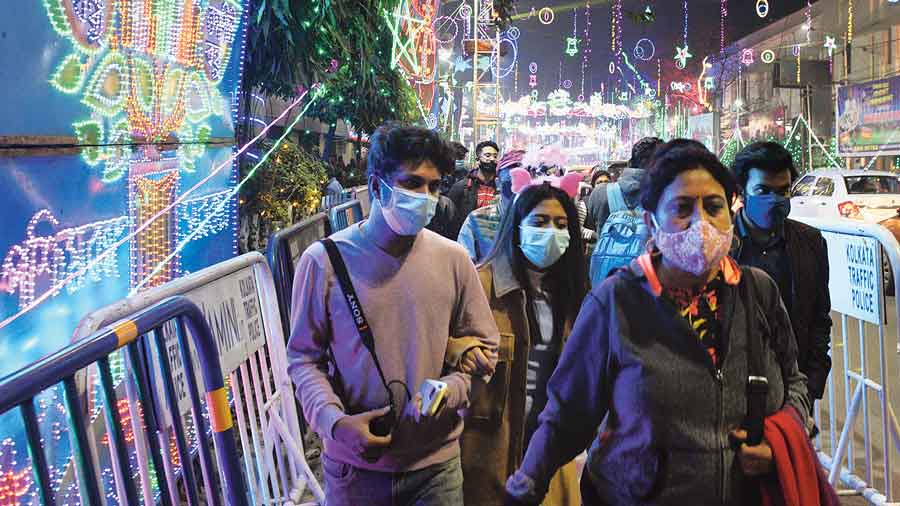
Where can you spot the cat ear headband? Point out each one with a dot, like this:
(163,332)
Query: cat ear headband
(521,179)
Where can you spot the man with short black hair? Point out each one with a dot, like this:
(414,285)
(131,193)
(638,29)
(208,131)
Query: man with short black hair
(480,188)
(376,306)
(795,255)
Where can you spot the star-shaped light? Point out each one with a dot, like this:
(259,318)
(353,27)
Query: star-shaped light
(681,56)
(571,46)
(830,45)
(461,64)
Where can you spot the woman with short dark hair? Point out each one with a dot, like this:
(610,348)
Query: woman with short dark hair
(663,350)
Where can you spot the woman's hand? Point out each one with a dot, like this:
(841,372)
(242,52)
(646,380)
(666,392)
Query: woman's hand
(478,361)
(755,460)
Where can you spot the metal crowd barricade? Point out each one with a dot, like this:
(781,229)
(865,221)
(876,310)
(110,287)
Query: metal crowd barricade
(361,193)
(332,200)
(283,252)
(344,215)
(20,389)
(864,363)
(238,299)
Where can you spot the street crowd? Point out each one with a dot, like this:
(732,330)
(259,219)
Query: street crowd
(484,328)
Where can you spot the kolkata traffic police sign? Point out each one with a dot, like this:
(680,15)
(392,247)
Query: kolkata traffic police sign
(856,279)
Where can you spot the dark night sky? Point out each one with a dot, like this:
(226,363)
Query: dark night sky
(544,44)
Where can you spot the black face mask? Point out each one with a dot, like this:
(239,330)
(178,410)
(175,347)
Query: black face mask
(488,167)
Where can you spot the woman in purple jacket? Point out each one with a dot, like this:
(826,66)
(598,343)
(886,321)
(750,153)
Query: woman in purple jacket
(661,355)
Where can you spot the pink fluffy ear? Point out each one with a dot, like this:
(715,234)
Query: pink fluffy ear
(521,179)
(569,183)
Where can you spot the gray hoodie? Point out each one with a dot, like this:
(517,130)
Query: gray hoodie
(598,206)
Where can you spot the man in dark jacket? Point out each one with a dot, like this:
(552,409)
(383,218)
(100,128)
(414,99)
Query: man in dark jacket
(478,189)
(444,218)
(795,255)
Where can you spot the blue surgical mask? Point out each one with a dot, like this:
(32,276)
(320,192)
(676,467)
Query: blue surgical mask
(404,211)
(543,247)
(767,211)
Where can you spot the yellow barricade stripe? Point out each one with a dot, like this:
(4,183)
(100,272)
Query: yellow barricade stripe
(126,331)
(219,412)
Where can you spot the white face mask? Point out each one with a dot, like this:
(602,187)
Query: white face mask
(543,246)
(404,211)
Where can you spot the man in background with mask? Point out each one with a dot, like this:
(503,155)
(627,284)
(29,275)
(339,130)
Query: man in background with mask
(793,254)
(358,371)
(480,187)
(479,230)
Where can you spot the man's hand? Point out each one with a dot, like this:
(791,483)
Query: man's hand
(755,460)
(354,432)
(478,361)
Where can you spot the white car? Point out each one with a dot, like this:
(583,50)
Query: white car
(869,196)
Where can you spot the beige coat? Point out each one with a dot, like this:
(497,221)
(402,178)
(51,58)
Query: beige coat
(492,442)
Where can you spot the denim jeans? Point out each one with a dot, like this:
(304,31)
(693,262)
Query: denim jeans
(436,485)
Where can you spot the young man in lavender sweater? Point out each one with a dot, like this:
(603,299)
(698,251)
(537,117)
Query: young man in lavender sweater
(416,290)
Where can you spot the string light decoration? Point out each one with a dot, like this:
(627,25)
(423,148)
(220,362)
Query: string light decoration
(767,56)
(586,48)
(50,258)
(546,15)
(762,8)
(849,22)
(681,56)
(723,14)
(830,45)
(747,56)
(616,29)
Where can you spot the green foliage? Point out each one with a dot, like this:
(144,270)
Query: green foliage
(287,187)
(343,44)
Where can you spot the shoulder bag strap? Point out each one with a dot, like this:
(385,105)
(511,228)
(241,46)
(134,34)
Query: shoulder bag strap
(754,346)
(356,310)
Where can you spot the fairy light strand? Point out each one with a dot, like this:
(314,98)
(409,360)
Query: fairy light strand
(723,14)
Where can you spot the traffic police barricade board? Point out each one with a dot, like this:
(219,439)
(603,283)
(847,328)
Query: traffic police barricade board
(238,299)
(864,363)
(344,215)
(97,350)
(283,253)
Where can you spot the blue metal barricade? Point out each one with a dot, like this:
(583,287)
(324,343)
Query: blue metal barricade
(344,215)
(329,201)
(285,248)
(20,389)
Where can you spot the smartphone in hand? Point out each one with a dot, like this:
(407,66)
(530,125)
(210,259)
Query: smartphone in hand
(433,394)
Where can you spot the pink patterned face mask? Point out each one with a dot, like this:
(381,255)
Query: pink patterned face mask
(697,249)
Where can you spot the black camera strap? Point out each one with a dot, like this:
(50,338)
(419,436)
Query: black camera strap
(353,304)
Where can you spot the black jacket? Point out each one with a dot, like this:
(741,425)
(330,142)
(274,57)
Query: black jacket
(810,302)
(464,195)
(444,219)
